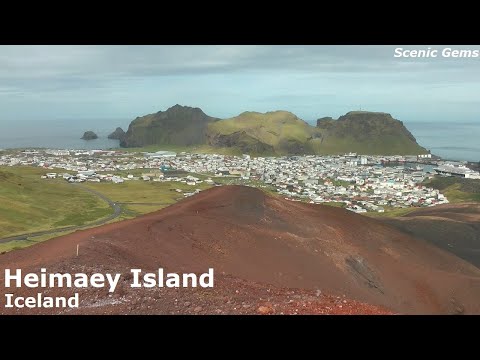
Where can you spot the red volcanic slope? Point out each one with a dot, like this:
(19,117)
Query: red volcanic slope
(246,234)
(452,227)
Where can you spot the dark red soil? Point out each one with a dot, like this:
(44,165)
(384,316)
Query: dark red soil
(452,227)
(279,255)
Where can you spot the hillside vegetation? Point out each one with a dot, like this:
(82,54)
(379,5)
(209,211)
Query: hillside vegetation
(28,203)
(277,132)
(368,133)
(456,189)
(273,133)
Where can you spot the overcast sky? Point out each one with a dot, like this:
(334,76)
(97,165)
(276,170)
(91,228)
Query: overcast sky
(95,82)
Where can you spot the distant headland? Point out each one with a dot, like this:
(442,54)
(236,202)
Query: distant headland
(274,133)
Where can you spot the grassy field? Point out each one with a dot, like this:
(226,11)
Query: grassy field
(28,203)
(392,212)
(20,244)
(136,210)
(139,191)
(139,197)
(457,190)
(335,204)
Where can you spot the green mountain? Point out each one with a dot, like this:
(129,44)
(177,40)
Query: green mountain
(368,132)
(179,125)
(274,133)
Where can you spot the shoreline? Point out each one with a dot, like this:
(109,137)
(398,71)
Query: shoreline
(437,158)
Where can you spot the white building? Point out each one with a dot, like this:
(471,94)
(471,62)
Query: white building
(161,154)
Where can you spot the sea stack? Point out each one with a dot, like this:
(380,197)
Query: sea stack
(89,135)
(118,134)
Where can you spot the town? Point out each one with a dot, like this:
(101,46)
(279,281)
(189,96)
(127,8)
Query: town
(358,183)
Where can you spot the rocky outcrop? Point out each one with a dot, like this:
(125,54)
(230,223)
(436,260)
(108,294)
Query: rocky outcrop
(118,134)
(89,135)
(366,124)
(369,132)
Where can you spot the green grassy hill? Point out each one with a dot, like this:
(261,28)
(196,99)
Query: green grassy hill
(273,133)
(367,132)
(457,190)
(28,203)
(276,132)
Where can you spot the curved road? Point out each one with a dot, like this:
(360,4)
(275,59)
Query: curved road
(143,203)
(117,210)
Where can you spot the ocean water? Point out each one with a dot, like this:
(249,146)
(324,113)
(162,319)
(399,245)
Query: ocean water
(59,134)
(450,140)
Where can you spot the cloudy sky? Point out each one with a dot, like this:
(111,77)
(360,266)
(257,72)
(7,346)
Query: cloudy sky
(99,82)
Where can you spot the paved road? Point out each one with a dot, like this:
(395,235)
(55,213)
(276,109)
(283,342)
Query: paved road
(117,210)
(140,203)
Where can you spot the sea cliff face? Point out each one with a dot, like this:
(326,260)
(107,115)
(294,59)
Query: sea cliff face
(369,133)
(178,125)
(274,133)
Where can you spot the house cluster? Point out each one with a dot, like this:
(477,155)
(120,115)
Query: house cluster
(87,175)
(156,176)
(341,179)
(361,183)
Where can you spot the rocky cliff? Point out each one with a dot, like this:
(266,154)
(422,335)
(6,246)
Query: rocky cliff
(118,134)
(274,133)
(89,135)
(178,125)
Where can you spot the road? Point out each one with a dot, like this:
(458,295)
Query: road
(117,210)
(144,203)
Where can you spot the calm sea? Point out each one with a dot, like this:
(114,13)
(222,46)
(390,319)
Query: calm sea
(455,141)
(59,134)
(451,141)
